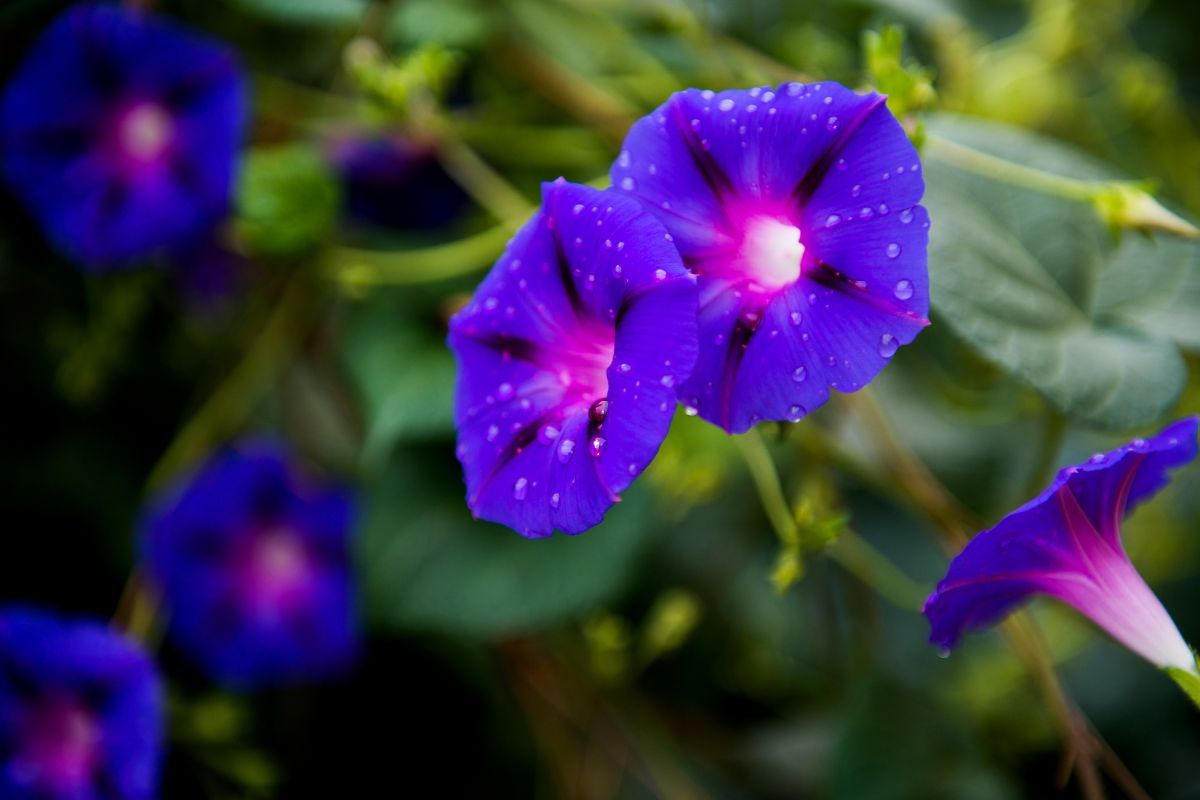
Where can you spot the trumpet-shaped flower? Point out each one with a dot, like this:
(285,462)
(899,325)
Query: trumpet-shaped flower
(119,132)
(569,354)
(251,558)
(81,711)
(797,208)
(1066,543)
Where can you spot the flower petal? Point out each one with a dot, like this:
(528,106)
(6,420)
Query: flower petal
(569,353)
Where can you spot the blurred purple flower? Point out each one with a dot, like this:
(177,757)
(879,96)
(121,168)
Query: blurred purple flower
(119,132)
(81,711)
(1066,543)
(568,355)
(395,182)
(797,208)
(252,561)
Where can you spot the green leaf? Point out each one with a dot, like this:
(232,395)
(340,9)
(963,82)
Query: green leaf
(1038,286)
(404,374)
(287,201)
(1188,681)
(426,565)
(309,12)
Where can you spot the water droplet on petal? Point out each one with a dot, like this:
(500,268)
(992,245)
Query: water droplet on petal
(866,213)
(944,652)
(796,317)
(906,216)
(624,159)
(565,449)
(598,411)
(555,499)
(888,345)
(632,469)
(624,367)
(504,391)
(795,413)
(832,124)
(577,208)
(660,274)
(596,446)
(856,190)
(725,104)
(831,220)
(903,290)
(668,381)
(799,374)
(520,488)
(628,183)
(1097,458)
(893,250)
(492,432)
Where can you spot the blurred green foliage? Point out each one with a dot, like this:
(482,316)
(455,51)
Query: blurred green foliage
(655,656)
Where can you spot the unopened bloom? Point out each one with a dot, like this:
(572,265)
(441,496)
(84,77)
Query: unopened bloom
(81,711)
(119,132)
(569,354)
(1066,543)
(798,209)
(252,560)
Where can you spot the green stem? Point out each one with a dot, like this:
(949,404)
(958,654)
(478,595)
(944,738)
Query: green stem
(358,269)
(770,489)
(480,181)
(999,169)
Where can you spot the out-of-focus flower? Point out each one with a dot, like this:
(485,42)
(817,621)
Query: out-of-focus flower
(569,354)
(1066,543)
(120,132)
(797,208)
(252,561)
(395,182)
(80,711)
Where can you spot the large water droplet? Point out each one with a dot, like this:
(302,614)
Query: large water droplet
(660,274)
(565,449)
(906,216)
(725,104)
(831,220)
(795,413)
(598,411)
(893,250)
(888,345)
(520,488)
(799,374)
(903,290)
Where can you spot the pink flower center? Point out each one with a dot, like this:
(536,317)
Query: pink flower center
(277,570)
(60,747)
(144,132)
(584,374)
(770,253)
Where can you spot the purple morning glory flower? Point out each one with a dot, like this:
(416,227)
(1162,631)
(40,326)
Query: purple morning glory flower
(119,132)
(252,560)
(1066,543)
(395,181)
(81,711)
(569,355)
(797,208)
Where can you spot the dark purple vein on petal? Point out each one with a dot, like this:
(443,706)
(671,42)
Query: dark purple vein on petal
(808,184)
(826,276)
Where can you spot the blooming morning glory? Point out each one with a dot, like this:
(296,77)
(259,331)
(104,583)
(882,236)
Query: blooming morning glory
(797,208)
(119,132)
(1066,543)
(81,711)
(569,354)
(251,558)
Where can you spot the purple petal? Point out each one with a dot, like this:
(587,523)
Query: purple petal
(569,355)
(797,208)
(1066,543)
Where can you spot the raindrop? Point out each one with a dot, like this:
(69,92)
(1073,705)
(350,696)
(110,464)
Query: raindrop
(725,104)
(565,449)
(598,411)
(799,374)
(624,367)
(856,190)
(555,499)
(633,469)
(691,406)
(795,413)
(628,184)
(883,209)
(832,125)
(866,213)
(768,97)
(903,290)
(888,345)
(796,317)
(521,488)
(492,432)
(624,159)
(906,216)
(1097,458)
(505,391)
(547,434)
(893,250)
(596,446)
(841,162)
(668,381)
(660,274)
(831,220)
(577,208)
(944,652)
(828,100)
(1139,442)
(794,88)
(831,361)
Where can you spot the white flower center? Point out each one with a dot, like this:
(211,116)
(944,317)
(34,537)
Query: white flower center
(145,132)
(771,252)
